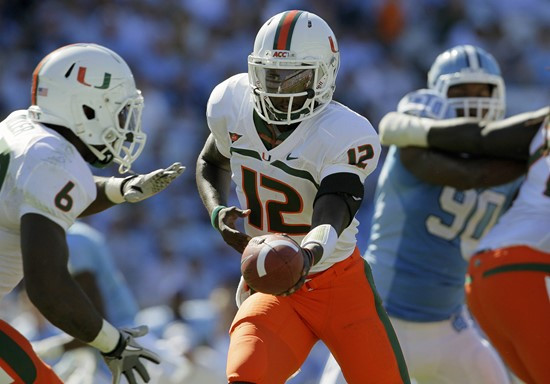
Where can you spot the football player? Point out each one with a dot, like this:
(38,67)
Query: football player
(508,279)
(299,161)
(85,109)
(431,210)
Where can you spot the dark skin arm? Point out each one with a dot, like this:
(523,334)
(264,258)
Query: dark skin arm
(213,177)
(446,169)
(101,202)
(328,209)
(87,281)
(49,284)
(508,138)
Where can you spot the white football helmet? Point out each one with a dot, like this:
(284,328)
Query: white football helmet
(469,64)
(90,90)
(426,103)
(292,70)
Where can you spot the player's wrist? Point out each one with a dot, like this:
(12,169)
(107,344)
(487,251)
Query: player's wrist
(214,216)
(108,339)
(113,189)
(321,241)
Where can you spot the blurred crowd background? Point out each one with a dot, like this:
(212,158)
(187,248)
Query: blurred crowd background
(180,49)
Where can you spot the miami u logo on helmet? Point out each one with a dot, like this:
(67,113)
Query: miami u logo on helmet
(82,74)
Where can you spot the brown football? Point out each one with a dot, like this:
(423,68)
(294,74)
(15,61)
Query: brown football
(272,263)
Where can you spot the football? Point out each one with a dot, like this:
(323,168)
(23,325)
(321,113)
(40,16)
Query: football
(272,263)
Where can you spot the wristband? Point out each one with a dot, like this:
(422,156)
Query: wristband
(113,189)
(107,339)
(214,216)
(404,130)
(325,235)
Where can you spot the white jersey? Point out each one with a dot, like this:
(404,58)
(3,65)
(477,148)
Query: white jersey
(279,185)
(42,173)
(527,222)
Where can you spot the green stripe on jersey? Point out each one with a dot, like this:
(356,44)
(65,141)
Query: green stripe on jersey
(523,267)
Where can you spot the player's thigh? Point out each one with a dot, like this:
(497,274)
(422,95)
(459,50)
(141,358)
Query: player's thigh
(18,359)
(360,335)
(269,341)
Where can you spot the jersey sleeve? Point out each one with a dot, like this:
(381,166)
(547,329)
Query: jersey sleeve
(219,110)
(57,188)
(356,150)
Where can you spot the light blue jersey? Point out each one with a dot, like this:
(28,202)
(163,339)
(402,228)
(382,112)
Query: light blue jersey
(421,237)
(88,252)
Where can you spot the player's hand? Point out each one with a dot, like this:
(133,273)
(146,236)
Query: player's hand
(140,187)
(308,255)
(227,217)
(127,356)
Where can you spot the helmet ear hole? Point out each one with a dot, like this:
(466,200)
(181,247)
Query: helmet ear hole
(89,112)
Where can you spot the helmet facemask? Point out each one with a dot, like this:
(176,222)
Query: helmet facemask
(293,67)
(285,93)
(489,108)
(467,64)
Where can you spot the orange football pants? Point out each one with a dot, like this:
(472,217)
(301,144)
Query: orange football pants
(271,336)
(508,292)
(19,362)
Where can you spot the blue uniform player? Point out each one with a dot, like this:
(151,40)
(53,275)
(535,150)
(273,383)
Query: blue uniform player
(91,264)
(431,209)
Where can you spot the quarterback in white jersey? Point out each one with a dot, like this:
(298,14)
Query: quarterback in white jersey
(298,161)
(85,110)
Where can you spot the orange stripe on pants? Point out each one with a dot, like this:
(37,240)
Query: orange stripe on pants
(20,362)
(271,336)
(508,296)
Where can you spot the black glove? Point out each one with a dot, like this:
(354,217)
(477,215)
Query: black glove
(125,358)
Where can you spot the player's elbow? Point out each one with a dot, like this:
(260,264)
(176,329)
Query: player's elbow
(40,296)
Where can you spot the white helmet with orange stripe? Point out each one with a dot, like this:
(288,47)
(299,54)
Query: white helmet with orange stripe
(292,70)
(90,90)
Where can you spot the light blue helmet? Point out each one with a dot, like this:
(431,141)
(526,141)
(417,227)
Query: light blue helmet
(468,64)
(426,103)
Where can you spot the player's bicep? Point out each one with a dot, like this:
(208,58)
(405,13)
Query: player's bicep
(338,200)
(211,155)
(44,251)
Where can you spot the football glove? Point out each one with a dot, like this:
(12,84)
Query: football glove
(127,355)
(136,188)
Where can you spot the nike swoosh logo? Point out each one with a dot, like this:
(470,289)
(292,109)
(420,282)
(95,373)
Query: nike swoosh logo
(356,198)
(290,157)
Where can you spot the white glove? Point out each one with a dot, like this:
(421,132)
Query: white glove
(126,356)
(140,187)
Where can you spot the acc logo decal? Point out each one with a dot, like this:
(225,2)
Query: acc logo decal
(82,74)
(281,53)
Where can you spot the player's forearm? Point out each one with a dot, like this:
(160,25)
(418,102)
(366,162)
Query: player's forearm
(102,202)
(63,303)
(459,172)
(213,184)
